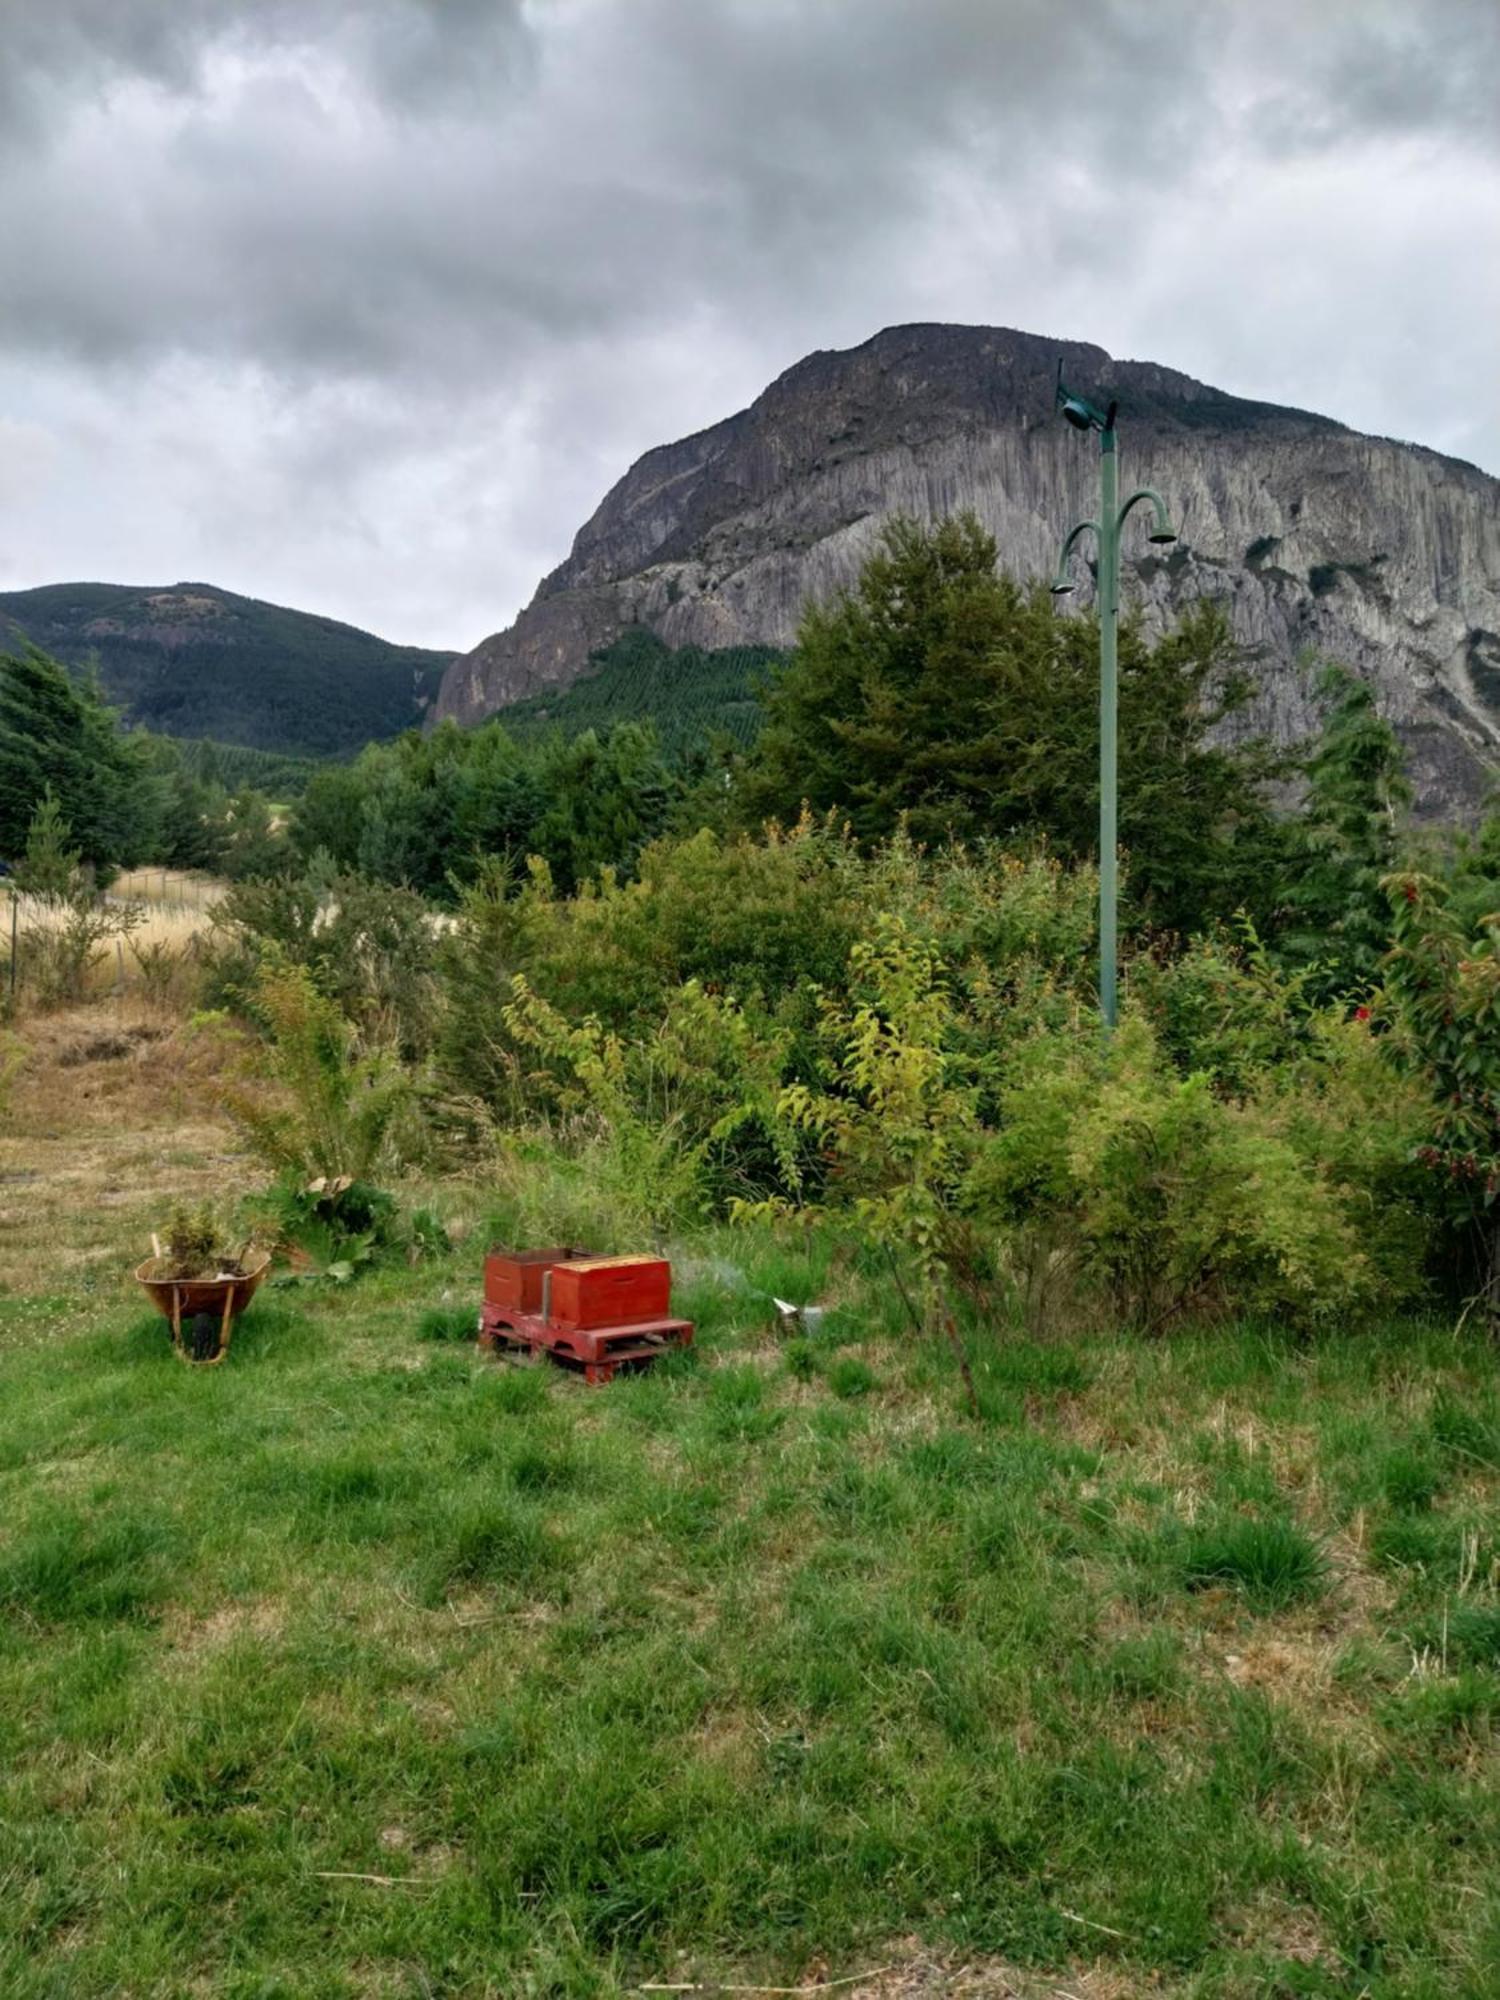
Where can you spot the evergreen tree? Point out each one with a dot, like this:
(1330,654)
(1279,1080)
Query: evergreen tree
(56,734)
(49,866)
(1474,872)
(606,798)
(253,847)
(943,693)
(194,827)
(327,818)
(1336,915)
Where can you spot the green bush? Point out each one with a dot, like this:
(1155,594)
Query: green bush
(1442,1001)
(1174,1200)
(943,1083)
(769,923)
(314,1103)
(369,947)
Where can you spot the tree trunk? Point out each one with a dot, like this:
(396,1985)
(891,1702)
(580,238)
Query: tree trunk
(1490,1288)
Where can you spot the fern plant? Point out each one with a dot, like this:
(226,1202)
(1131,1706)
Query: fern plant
(333,1105)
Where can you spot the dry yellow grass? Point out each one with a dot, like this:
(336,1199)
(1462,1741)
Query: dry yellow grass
(170,888)
(111,1119)
(140,963)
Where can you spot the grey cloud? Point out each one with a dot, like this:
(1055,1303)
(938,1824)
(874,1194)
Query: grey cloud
(429,270)
(413,51)
(1380,69)
(660,151)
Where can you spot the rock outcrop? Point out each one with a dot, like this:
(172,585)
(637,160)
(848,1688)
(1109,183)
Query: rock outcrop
(1322,542)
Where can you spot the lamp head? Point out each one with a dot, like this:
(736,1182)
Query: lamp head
(1061,587)
(1079,411)
(1162,532)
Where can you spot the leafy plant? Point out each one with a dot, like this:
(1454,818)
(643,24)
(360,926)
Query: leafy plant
(193,1247)
(334,1227)
(333,1106)
(1179,1201)
(1335,920)
(60,951)
(1442,996)
(687,1116)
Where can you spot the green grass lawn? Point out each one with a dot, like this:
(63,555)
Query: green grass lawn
(1183,1659)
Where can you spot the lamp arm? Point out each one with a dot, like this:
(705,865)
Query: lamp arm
(1080,528)
(1145,493)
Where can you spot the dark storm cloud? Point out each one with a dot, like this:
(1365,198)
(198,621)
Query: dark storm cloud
(407,269)
(301,189)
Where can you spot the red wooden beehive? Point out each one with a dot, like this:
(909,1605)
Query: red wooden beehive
(610,1291)
(594,1313)
(513,1278)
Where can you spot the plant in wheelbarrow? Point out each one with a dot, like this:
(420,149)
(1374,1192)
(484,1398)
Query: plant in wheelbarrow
(201,1282)
(327,1112)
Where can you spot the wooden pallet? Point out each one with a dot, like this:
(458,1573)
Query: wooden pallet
(599,1351)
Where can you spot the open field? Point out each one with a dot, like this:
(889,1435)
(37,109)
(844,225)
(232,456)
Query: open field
(363,1666)
(177,910)
(169,888)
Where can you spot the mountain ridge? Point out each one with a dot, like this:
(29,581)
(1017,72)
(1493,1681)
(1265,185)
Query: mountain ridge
(1321,540)
(194,660)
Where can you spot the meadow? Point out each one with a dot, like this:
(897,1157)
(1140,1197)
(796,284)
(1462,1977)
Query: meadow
(365,1665)
(171,911)
(1102,1599)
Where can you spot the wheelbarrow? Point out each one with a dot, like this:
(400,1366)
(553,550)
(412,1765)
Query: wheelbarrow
(223,1297)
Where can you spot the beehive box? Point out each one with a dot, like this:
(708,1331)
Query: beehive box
(610,1291)
(513,1278)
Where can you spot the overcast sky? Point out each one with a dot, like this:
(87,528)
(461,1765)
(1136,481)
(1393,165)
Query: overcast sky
(362,305)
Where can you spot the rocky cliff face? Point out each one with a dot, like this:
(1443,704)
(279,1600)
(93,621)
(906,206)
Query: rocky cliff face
(1321,541)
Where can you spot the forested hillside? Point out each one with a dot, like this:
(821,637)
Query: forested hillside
(235,765)
(688,693)
(197,661)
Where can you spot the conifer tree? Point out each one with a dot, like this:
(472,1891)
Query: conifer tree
(942,693)
(57,734)
(49,867)
(1345,842)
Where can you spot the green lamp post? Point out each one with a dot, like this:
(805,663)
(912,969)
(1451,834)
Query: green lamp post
(1086,416)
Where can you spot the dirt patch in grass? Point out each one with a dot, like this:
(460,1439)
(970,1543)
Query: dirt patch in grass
(191,1634)
(108,1044)
(917,1976)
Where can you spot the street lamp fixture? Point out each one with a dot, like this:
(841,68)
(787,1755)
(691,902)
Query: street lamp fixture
(1084,415)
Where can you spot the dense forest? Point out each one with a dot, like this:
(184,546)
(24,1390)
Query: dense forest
(690,696)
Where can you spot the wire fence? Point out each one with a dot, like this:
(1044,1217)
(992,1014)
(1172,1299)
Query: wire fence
(170,888)
(143,935)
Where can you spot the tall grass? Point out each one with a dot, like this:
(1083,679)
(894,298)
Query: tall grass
(153,961)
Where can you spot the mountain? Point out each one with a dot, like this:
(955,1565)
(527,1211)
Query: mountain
(1320,540)
(198,661)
